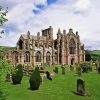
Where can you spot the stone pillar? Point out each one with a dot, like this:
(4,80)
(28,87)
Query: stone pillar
(62,50)
(53,61)
(22,61)
(58,44)
(58,53)
(33,51)
(43,52)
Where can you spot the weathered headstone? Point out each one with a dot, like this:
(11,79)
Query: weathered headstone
(81,87)
(56,70)
(91,65)
(97,64)
(48,75)
(98,70)
(63,70)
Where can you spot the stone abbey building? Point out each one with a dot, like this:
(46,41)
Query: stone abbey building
(44,49)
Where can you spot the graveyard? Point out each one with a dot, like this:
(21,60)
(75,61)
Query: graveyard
(61,87)
(49,50)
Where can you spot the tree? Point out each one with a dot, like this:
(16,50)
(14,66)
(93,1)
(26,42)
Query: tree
(2,21)
(35,79)
(17,74)
(3,18)
(87,55)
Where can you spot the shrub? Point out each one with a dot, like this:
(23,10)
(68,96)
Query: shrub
(86,66)
(35,79)
(3,95)
(17,74)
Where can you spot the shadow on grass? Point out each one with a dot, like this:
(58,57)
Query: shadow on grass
(32,89)
(79,94)
(16,84)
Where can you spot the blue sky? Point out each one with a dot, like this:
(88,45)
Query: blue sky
(33,15)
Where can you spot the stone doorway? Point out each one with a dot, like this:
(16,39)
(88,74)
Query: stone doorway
(72,61)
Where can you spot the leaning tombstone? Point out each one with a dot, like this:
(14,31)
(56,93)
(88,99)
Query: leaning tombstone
(48,75)
(80,87)
(98,70)
(63,70)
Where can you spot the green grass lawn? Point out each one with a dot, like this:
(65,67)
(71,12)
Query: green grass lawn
(60,88)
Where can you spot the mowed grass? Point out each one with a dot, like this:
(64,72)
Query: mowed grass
(60,88)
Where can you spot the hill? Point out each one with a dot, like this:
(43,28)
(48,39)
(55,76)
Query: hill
(93,53)
(5,48)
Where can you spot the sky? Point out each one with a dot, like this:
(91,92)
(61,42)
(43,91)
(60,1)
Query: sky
(33,15)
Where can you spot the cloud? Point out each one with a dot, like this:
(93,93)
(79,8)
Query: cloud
(81,15)
(20,17)
(82,5)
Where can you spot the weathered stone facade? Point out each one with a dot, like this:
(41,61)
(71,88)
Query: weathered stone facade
(44,49)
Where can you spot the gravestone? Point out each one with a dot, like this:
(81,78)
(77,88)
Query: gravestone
(63,70)
(81,87)
(91,65)
(42,70)
(56,70)
(79,71)
(48,75)
(98,70)
(97,64)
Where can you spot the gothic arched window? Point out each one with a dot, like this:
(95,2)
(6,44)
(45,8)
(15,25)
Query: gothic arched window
(20,44)
(48,57)
(72,46)
(27,57)
(38,56)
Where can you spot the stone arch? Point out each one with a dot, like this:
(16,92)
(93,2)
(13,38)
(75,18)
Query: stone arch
(72,46)
(72,61)
(27,56)
(20,44)
(38,56)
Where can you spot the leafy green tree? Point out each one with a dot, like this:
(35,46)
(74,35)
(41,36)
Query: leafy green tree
(3,19)
(4,67)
